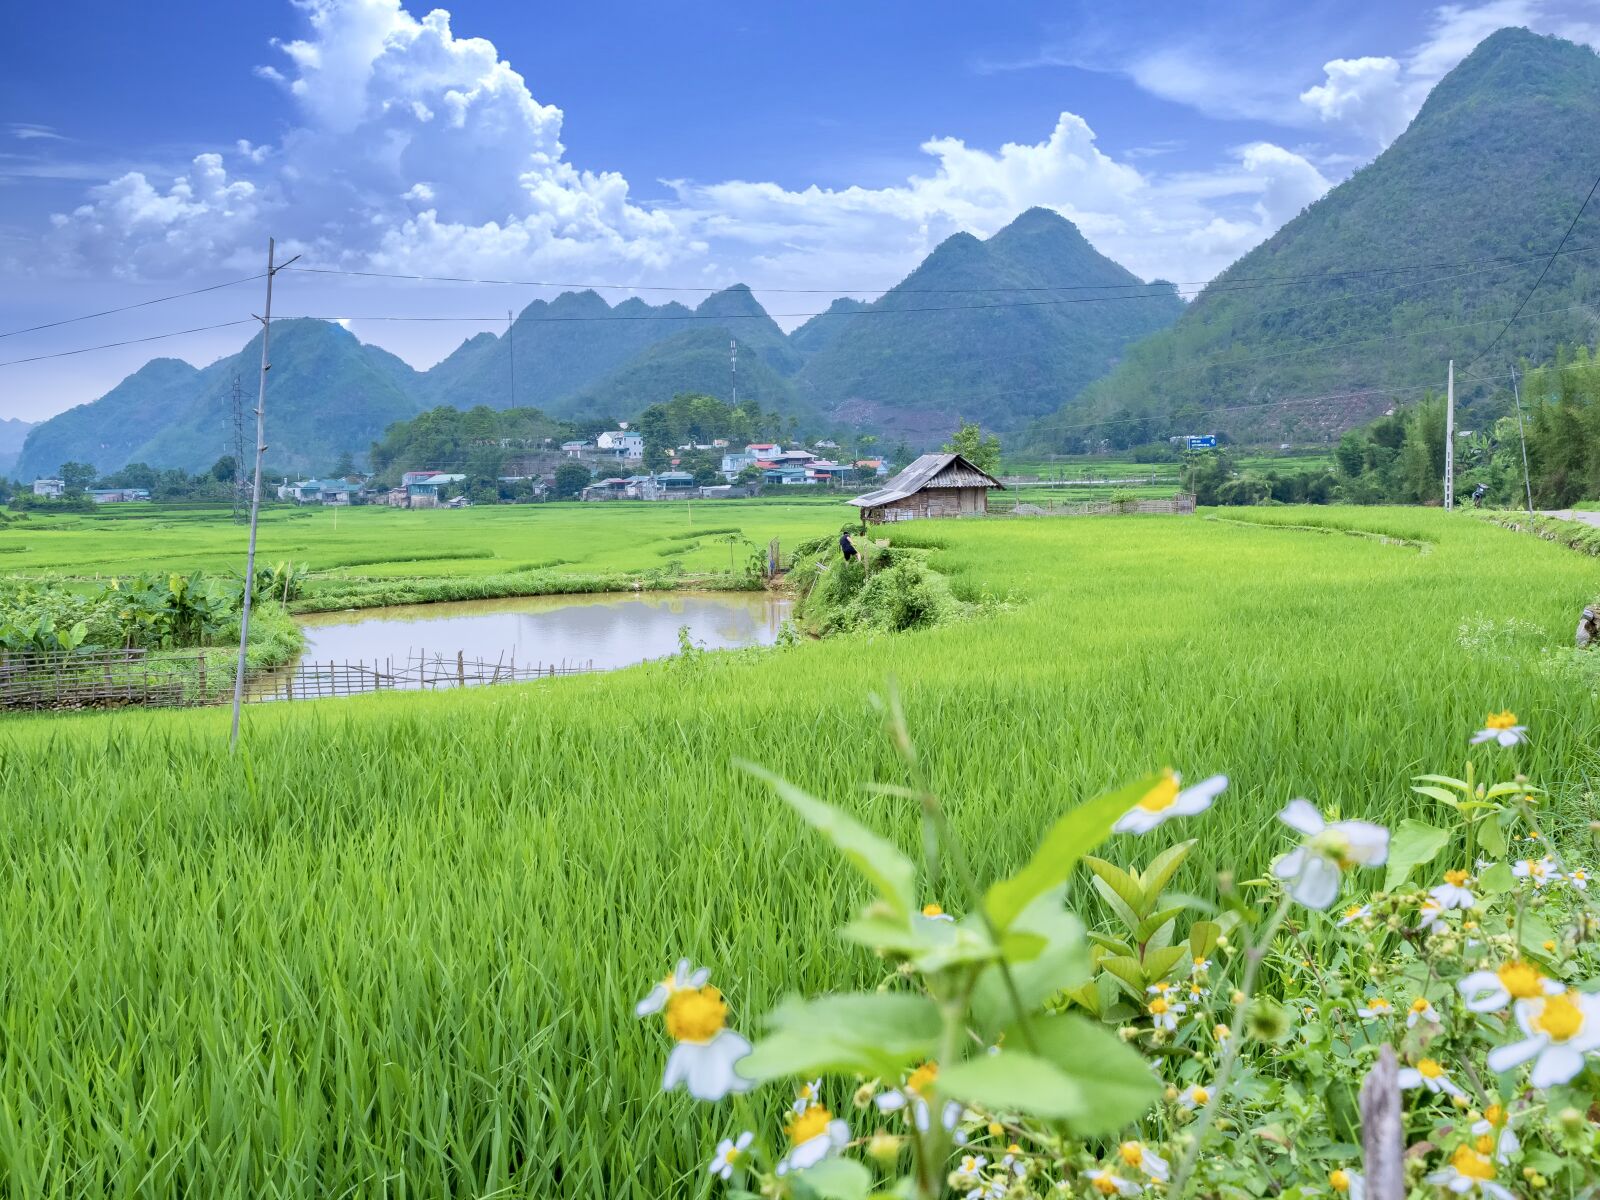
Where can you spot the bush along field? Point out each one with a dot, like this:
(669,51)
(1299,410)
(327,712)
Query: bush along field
(394,944)
(1018,1045)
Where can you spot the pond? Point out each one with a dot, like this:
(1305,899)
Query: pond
(601,632)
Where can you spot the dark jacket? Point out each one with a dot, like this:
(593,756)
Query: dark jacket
(846,546)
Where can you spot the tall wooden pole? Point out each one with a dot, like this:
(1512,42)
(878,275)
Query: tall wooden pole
(1450,438)
(255,492)
(1522,436)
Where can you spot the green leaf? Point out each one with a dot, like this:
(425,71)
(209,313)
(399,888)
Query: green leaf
(873,1033)
(1438,794)
(1460,785)
(1128,972)
(1491,837)
(875,857)
(1120,884)
(1414,844)
(1147,927)
(1116,945)
(1125,914)
(1082,1074)
(1161,870)
(1497,880)
(1062,964)
(1203,937)
(1158,964)
(836,1179)
(1069,839)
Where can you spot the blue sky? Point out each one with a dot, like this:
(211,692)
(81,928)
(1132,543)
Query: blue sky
(149,148)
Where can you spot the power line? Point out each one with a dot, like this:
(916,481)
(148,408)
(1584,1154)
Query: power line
(848,291)
(154,337)
(1550,262)
(128,307)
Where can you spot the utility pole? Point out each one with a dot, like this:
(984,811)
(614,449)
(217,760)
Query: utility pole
(511,344)
(255,489)
(1450,437)
(238,451)
(733,360)
(1522,436)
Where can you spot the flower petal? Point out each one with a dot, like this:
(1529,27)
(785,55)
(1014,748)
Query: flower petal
(1302,816)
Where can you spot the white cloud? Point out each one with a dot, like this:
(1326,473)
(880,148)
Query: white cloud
(1376,97)
(25,131)
(420,151)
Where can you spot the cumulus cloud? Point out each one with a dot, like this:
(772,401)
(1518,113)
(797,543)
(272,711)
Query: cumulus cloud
(1376,96)
(418,150)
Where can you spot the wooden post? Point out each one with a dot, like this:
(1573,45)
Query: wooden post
(461,669)
(1382,1138)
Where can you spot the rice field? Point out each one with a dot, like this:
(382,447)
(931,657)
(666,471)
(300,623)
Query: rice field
(393,948)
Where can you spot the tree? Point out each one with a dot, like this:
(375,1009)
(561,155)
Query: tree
(77,477)
(345,466)
(571,478)
(969,442)
(224,470)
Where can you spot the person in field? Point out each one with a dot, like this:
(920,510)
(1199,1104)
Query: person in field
(846,546)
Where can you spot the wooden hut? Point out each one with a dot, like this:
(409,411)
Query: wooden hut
(935,485)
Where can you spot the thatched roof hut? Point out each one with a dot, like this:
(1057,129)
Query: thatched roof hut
(935,485)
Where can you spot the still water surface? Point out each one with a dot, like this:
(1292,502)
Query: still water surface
(609,631)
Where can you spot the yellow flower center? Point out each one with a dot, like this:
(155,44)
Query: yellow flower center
(1132,1153)
(919,1080)
(809,1124)
(1559,1017)
(1351,913)
(1500,720)
(1429,1068)
(1158,1006)
(1199,1095)
(932,910)
(1455,878)
(1484,1144)
(1222,1032)
(1378,1004)
(1013,1149)
(1419,1005)
(695,1014)
(1339,1179)
(1163,795)
(1495,1114)
(1521,980)
(1106,1184)
(1470,1163)
(996,1129)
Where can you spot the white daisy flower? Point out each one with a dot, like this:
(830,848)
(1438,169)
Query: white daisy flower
(1540,871)
(1561,1029)
(1313,869)
(1501,727)
(1470,1173)
(1453,892)
(1140,1156)
(1196,1095)
(1014,1161)
(730,1153)
(1421,1010)
(1356,912)
(703,1060)
(813,1136)
(1196,993)
(913,1095)
(1167,800)
(683,978)
(934,913)
(1377,1008)
(1491,991)
(970,1167)
(1347,1183)
(1496,1124)
(1164,1013)
(1108,1184)
(1428,1074)
(1430,915)
(1578,878)
(1200,966)
(806,1095)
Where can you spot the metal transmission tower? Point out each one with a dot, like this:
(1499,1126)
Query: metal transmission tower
(240,502)
(733,362)
(511,345)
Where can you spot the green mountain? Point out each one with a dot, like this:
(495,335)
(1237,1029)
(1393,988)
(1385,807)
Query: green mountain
(1491,167)
(13,432)
(695,360)
(328,392)
(822,329)
(996,331)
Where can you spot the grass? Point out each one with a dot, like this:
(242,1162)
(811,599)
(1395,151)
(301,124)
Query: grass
(394,947)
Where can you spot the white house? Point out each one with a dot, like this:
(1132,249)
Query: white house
(624,443)
(49,487)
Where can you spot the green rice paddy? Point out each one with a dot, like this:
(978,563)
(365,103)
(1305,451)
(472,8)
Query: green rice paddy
(392,949)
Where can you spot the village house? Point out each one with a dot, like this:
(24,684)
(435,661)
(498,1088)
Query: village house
(627,444)
(935,485)
(118,495)
(53,488)
(872,466)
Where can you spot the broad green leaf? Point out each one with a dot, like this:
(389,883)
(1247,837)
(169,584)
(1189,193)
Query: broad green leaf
(1062,964)
(1127,972)
(1158,964)
(1125,914)
(1534,933)
(1460,785)
(1155,921)
(1069,839)
(1438,794)
(1086,997)
(1119,881)
(875,857)
(1081,1074)
(1497,880)
(873,1033)
(836,1179)
(1161,870)
(1491,837)
(1412,845)
(1203,937)
(1116,945)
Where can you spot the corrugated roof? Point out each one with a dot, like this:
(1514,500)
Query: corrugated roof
(930,470)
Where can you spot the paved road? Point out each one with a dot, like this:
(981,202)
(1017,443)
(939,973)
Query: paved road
(1567,514)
